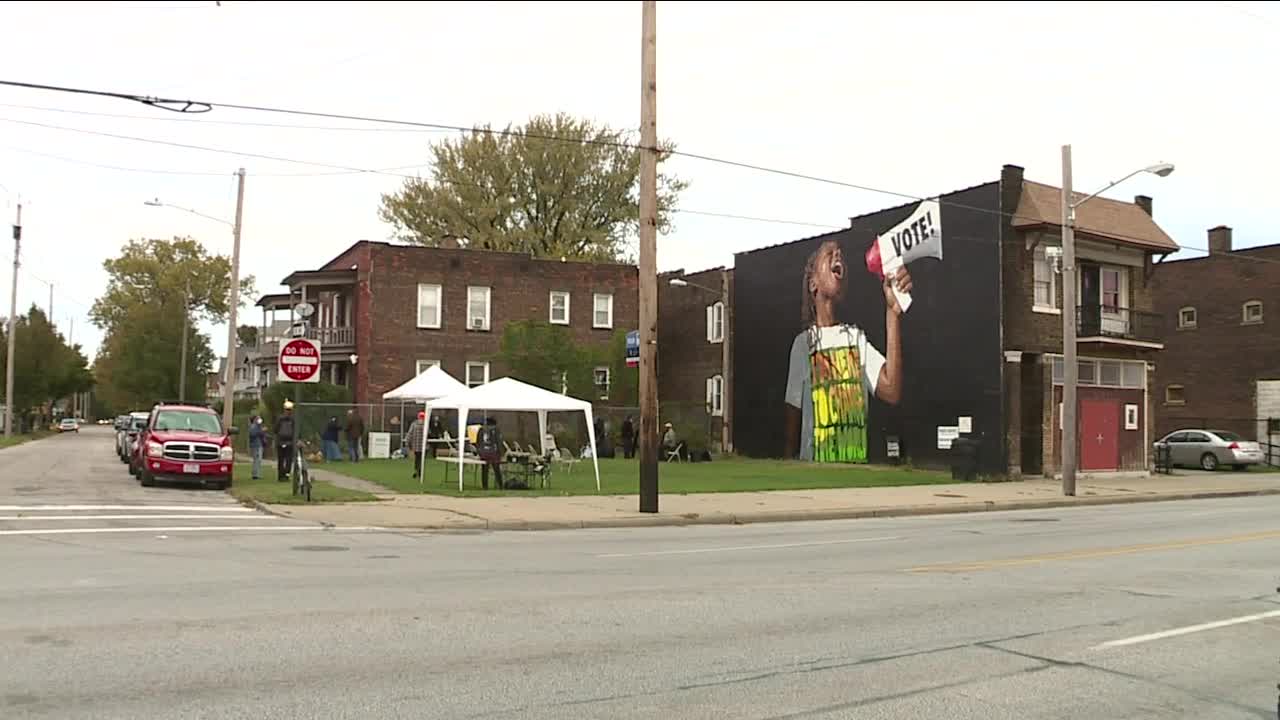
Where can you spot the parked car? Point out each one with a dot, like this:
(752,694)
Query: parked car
(127,435)
(185,443)
(1208,449)
(68,425)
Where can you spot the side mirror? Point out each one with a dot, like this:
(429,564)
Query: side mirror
(233,430)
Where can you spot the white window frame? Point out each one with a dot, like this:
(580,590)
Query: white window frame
(1183,323)
(608,381)
(471,316)
(715,395)
(1181,388)
(1041,259)
(420,366)
(1244,312)
(1095,367)
(551,307)
(715,323)
(432,324)
(476,364)
(595,310)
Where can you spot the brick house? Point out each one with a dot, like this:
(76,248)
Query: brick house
(695,343)
(1221,365)
(1119,333)
(385,312)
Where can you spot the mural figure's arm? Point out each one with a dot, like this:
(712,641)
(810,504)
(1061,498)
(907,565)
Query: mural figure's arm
(889,384)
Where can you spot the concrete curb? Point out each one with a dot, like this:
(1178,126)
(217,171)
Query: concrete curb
(767,516)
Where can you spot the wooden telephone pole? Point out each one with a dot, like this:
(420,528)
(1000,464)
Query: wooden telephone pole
(648,259)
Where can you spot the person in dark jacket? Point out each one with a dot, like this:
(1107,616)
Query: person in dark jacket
(489,447)
(257,444)
(435,431)
(355,435)
(285,432)
(332,453)
(628,438)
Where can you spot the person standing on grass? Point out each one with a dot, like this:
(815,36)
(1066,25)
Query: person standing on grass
(285,431)
(355,435)
(331,432)
(628,438)
(415,441)
(257,443)
(489,447)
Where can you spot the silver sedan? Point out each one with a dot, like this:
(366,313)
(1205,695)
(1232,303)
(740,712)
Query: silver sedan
(1209,449)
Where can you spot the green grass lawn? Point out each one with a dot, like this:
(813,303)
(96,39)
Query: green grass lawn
(21,438)
(267,490)
(621,477)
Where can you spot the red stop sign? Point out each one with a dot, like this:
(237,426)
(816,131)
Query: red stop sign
(300,361)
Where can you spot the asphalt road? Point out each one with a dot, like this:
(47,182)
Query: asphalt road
(1166,610)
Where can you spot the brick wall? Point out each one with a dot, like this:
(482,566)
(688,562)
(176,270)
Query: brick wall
(686,358)
(389,342)
(1219,362)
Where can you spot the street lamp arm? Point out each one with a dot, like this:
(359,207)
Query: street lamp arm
(1161,169)
(678,282)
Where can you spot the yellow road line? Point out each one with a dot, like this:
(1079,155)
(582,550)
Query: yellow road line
(1087,554)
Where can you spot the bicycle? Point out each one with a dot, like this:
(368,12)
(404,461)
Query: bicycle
(300,474)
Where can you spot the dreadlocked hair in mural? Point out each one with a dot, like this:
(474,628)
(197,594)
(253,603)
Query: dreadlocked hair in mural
(809,305)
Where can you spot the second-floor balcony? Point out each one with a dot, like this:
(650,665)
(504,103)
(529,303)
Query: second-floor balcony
(336,337)
(1102,323)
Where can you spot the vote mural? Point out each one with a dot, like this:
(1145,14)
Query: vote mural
(874,336)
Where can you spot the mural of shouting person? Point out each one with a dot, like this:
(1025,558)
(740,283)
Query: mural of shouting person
(834,369)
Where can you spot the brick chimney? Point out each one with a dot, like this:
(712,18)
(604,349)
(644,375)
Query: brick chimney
(1144,202)
(1219,240)
(1010,190)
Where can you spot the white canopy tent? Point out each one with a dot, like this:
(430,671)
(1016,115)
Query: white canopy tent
(432,383)
(509,394)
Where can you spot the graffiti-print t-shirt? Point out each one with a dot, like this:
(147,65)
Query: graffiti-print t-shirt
(832,375)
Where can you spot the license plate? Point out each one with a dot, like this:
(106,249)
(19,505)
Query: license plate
(191,469)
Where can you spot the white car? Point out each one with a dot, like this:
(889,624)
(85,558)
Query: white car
(68,425)
(1209,449)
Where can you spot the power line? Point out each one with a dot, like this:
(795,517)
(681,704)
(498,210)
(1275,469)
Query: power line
(193,106)
(244,123)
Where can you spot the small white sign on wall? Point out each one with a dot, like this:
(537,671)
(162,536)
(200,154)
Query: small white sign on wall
(946,434)
(966,424)
(1130,417)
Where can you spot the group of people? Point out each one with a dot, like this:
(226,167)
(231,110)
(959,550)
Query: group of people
(285,435)
(489,446)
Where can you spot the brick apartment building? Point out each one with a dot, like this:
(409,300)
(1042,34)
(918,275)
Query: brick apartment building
(981,347)
(1221,364)
(1119,334)
(386,312)
(695,343)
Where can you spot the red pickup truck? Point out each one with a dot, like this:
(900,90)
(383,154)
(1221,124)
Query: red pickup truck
(187,444)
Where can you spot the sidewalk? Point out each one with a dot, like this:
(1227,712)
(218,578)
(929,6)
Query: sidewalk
(436,512)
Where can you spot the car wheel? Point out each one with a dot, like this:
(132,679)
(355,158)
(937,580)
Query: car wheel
(146,478)
(1209,461)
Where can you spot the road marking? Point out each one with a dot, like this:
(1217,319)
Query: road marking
(123,517)
(203,528)
(1087,554)
(745,547)
(1187,630)
(170,508)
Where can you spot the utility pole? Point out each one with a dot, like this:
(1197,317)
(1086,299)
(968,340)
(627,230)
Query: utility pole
(648,258)
(229,388)
(13,326)
(186,312)
(1070,369)
(726,372)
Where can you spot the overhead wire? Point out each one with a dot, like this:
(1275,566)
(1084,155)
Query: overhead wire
(208,105)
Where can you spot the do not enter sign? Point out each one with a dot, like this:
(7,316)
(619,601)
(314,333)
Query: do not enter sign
(300,361)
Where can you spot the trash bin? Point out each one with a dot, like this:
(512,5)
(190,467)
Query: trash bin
(964,459)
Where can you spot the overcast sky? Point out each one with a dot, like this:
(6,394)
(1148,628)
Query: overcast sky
(917,98)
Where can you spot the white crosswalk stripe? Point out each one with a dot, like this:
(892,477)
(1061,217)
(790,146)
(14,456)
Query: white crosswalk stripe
(87,519)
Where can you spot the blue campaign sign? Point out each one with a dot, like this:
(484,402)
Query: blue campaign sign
(633,348)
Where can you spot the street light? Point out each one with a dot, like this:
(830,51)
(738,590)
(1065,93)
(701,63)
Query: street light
(229,388)
(1070,368)
(726,436)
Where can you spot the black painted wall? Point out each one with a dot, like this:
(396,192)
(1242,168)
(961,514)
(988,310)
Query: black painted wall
(951,340)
